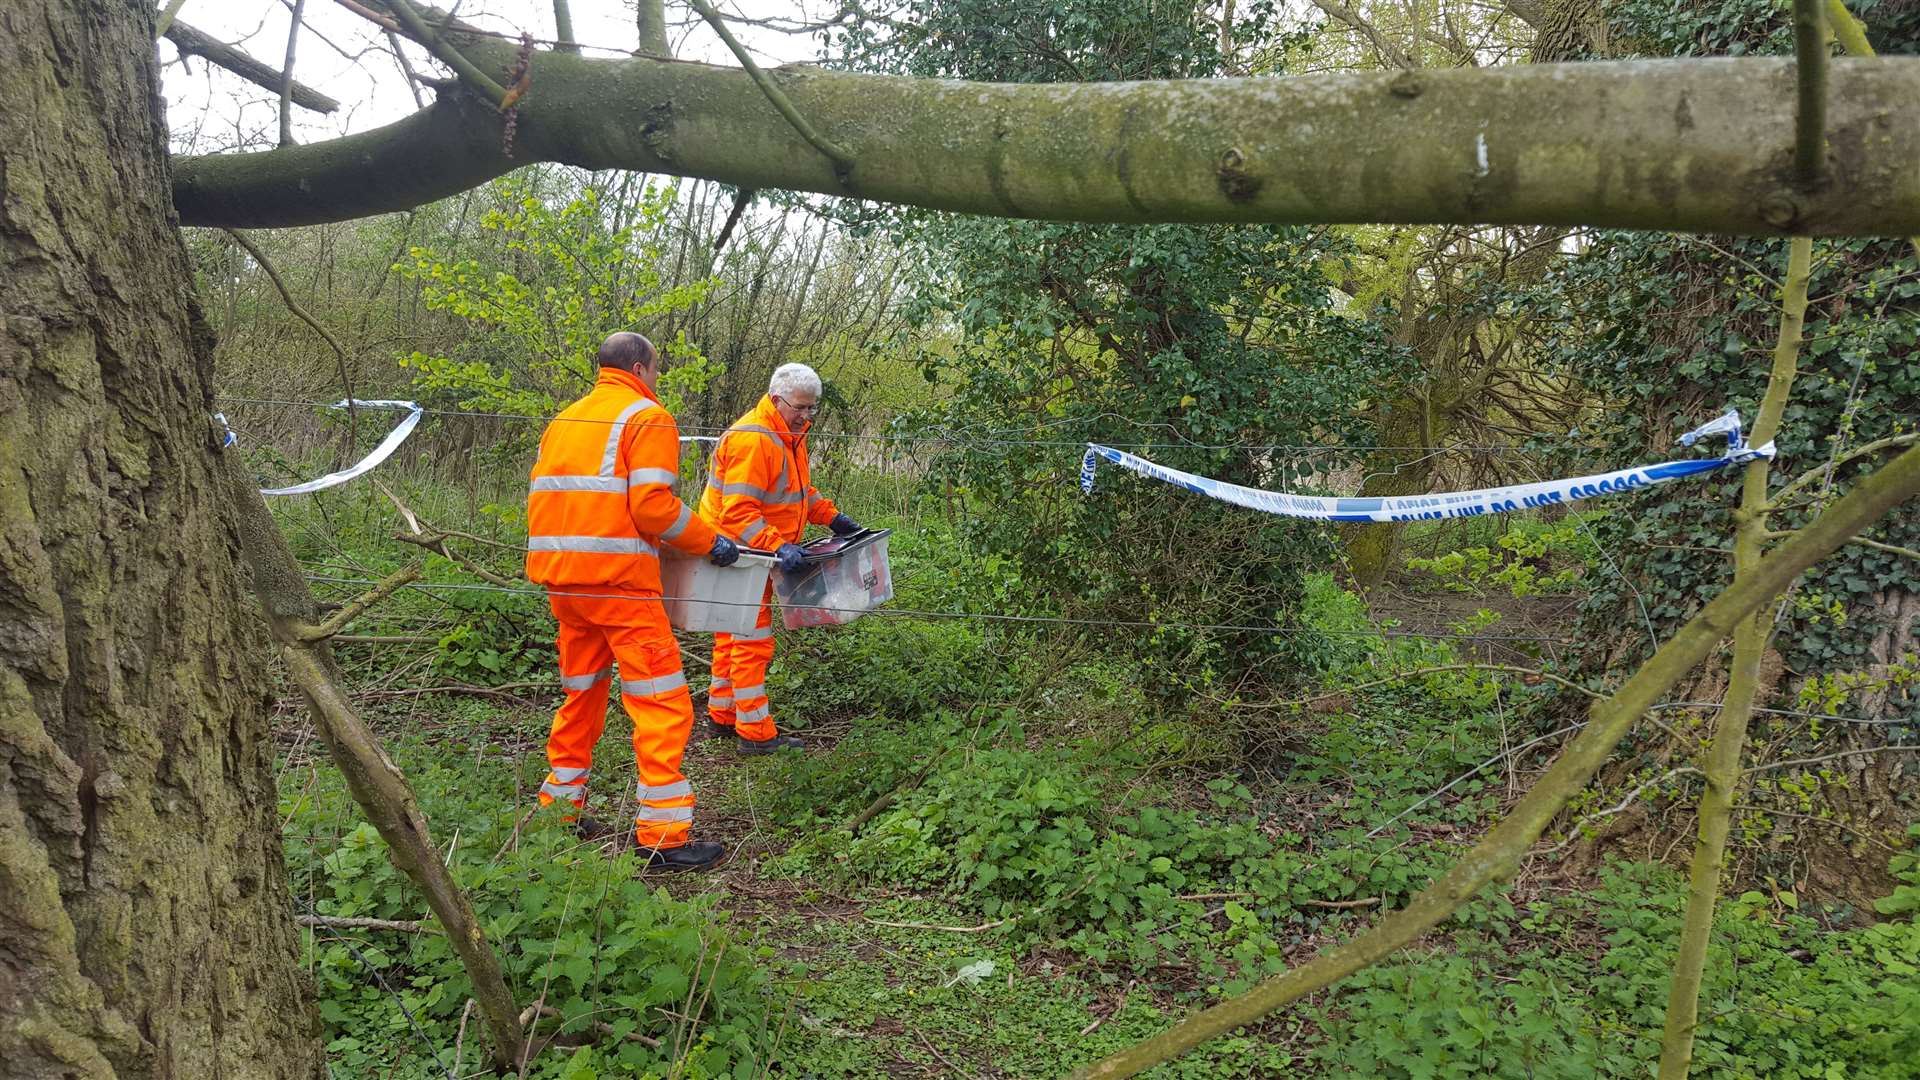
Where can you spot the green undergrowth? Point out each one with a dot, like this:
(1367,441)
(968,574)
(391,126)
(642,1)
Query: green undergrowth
(1077,848)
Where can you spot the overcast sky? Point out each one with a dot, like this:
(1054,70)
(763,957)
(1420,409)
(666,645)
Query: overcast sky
(345,57)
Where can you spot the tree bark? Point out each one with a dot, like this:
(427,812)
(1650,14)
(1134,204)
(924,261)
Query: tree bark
(1691,145)
(650,17)
(145,925)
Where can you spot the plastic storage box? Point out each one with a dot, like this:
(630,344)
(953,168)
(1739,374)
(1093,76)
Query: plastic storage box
(844,578)
(723,599)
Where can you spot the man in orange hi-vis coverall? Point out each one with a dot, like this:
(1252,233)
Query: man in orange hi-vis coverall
(599,505)
(759,492)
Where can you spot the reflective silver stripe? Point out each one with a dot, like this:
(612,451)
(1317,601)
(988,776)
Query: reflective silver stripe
(617,431)
(564,791)
(720,684)
(753,716)
(652,476)
(759,634)
(675,790)
(679,524)
(578,483)
(746,692)
(568,776)
(653,687)
(765,496)
(604,545)
(754,528)
(584,682)
(664,813)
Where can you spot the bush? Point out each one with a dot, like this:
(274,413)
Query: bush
(572,927)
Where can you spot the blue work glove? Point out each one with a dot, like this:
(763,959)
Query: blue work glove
(791,557)
(724,552)
(842,525)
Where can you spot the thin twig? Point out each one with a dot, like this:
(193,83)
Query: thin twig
(1825,469)
(166,18)
(286,82)
(473,77)
(1772,765)
(842,161)
(1891,548)
(460,1037)
(286,297)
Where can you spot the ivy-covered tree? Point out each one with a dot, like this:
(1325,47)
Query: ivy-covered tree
(1665,331)
(1218,347)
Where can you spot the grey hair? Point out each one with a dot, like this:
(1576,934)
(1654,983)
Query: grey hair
(789,379)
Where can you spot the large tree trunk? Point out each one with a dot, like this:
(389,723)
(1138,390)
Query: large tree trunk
(145,924)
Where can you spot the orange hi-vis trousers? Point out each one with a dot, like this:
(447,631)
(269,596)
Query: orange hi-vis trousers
(629,630)
(738,696)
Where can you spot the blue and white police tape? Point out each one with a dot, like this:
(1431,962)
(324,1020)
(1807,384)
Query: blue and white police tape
(379,453)
(1498,500)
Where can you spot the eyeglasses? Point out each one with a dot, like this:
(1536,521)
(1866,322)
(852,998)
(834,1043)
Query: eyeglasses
(799,408)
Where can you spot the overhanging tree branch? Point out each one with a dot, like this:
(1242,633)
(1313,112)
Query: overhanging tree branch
(1672,144)
(1497,855)
(193,42)
(1852,35)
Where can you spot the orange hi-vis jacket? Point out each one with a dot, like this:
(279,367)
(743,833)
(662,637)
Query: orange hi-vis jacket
(759,488)
(601,497)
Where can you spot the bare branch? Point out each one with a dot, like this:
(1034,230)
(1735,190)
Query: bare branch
(1889,548)
(472,76)
(1388,50)
(563,28)
(286,297)
(650,17)
(286,77)
(359,605)
(166,17)
(355,923)
(193,42)
(740,202)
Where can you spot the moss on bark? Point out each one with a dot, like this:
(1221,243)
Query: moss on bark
(145,924)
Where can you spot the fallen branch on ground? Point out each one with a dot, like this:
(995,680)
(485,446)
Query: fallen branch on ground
(332,922)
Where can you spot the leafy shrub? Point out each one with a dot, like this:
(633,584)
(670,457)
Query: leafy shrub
(1521,561)
(572,927)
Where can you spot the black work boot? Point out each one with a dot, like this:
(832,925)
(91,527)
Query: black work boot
(593,831)
(692,855)
(717,730)
(751,748)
